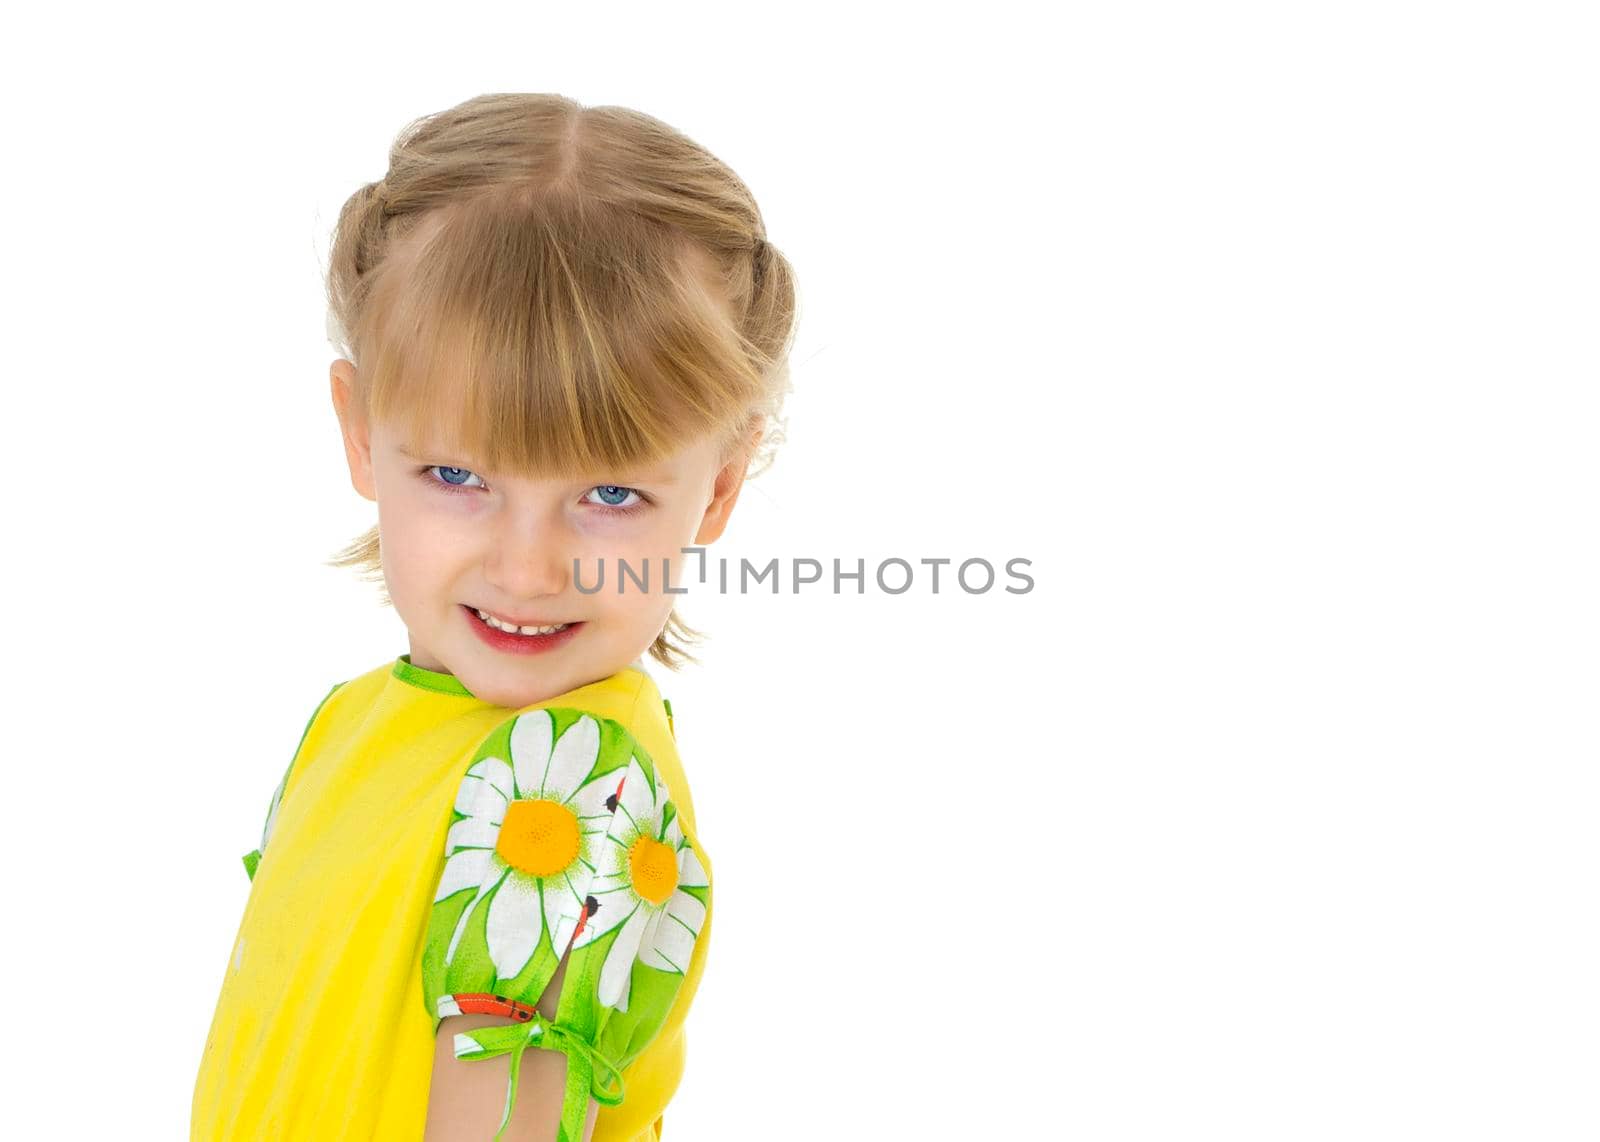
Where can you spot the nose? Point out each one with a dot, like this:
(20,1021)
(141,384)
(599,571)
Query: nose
(529,556)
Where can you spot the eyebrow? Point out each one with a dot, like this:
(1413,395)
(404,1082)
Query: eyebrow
(433,453)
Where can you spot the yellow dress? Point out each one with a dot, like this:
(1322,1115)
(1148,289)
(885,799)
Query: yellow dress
(373,861)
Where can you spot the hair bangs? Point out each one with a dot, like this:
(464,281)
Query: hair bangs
(554,338)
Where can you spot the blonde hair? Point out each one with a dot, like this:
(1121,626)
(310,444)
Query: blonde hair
(561,288)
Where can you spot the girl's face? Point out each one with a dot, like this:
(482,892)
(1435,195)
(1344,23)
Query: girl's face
(457,540)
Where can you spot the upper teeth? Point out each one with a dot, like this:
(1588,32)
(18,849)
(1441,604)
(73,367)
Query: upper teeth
(514,629)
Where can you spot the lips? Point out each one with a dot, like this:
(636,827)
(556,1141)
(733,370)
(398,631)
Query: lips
(516,643)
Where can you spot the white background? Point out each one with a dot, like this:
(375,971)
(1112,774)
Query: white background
(1267,332)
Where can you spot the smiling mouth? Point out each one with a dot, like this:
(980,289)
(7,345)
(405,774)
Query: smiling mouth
(529,630)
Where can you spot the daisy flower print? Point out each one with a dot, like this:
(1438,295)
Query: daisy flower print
(532,816)
(649,887)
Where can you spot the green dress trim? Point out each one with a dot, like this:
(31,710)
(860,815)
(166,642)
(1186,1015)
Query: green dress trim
(407,671)
(253,858)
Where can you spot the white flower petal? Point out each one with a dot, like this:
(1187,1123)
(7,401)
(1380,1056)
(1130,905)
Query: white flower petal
(688,911)
(515,924)
(647,938)
(531,737)
(496,873)
(468,868)
(485,789)
(615,906)
(638,806)
(562,906)
(569,925)
(611,866)
(616,973)
(670,945)
(631,935)
(472,833)
(572,759)
(671,951)
(691,872)
(674,833)
(589,803)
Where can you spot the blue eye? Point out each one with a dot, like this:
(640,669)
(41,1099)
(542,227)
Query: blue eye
(453,477)
(614,495)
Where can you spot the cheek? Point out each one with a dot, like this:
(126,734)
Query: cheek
(595,538)
(644,545)
(658,532)
(418,539)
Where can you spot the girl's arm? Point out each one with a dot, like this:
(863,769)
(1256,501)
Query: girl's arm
(467,1097)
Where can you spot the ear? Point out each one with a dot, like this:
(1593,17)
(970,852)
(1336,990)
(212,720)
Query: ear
(353,425)
(725,491)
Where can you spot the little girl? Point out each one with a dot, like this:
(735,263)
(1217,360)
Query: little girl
(480,906)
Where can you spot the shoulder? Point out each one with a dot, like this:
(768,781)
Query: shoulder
(252,860)
(607,723)
(339,702)
(564,833)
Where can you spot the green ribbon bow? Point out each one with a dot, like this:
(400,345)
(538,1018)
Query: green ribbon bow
(583,1061)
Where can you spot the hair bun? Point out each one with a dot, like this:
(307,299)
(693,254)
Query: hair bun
(760,254)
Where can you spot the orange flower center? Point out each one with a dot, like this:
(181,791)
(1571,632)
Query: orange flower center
(538,837)
(655,869)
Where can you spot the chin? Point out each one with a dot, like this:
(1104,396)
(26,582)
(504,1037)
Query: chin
(524,693)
